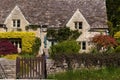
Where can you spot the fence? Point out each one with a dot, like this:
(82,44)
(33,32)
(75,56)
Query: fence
(31,68)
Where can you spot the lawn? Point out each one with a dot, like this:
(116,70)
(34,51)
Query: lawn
(91,74)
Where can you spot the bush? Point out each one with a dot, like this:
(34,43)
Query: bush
(117,49)
(27,38)
(64,51)
(88,60)
(11,56)
(6,47)
(104,41)
(27,55)
(36,46)
(65,47)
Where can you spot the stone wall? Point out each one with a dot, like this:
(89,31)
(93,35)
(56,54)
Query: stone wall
(9,67)
(53,68)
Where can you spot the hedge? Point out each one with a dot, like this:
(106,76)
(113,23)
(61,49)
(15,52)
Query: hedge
(27,38)
(88,60)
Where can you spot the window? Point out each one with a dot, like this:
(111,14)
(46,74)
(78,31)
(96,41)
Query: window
(78,25)
(75,25)
(16,42)
(16,23)
(83,45)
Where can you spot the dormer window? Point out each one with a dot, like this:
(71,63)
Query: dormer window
(78,25)
(16,23)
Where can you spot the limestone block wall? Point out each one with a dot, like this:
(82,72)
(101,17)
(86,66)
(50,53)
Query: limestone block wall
(9,67)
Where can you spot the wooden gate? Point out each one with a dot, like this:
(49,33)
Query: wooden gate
(32,68)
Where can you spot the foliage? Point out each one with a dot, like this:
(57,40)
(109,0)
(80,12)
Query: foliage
(11,56)
(51,33)
(28,55)
(66,47)
(117,49)
(104,41)
(27,38)
(75,34)
(110,50)
(6,47)
(88,74)
(36,45)
(111,29)
(117,35)
(63,50)
(94,50)
(87,60)
(113,10)
(33,27)
(63,34)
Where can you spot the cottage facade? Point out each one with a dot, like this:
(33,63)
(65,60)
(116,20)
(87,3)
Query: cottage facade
(87,16)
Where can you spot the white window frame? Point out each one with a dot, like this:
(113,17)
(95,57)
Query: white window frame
(78,25)
(16,23)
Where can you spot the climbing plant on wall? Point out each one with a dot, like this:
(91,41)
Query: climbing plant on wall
(27,38)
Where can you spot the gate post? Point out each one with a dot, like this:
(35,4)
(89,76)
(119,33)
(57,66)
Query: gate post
(44,64)
(17,68)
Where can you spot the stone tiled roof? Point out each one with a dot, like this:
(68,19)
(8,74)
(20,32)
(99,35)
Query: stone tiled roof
(57,12)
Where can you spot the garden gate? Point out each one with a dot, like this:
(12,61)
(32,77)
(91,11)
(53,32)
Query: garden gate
(31,68)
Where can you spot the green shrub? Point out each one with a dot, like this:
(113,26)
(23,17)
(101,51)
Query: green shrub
(27,55)
(36,46)
(117,49)
(11,56)
(67,47)
(64,51)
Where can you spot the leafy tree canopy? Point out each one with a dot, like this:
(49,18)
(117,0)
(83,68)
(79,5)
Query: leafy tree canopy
(113,11)
(104,41)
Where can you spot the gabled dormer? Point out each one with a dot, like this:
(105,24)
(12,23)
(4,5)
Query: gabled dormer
(78,21)
(16,20)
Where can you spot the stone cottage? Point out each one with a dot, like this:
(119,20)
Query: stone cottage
(87,16)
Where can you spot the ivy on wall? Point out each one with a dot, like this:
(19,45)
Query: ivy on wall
(28,39)
(33,27)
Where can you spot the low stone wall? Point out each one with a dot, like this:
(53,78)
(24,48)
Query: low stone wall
(52,68)
(9,67)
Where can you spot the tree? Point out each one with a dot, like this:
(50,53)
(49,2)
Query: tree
(104,41)
(113,11)
(6,47)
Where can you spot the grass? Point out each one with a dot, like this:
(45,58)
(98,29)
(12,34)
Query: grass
(92,74)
